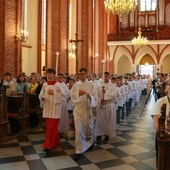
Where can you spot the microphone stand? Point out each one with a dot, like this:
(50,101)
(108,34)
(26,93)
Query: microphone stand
(149,96)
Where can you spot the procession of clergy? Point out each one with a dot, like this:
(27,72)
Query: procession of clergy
(110,98)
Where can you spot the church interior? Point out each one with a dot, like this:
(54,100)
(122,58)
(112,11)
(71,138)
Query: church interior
(71,34)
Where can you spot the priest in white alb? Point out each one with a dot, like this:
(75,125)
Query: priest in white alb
(84,96)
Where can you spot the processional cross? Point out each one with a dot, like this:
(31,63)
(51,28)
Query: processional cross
(76,41)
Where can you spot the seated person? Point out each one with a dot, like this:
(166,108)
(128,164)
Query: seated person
(32,85)
(21,85)
(9,84)
(42,81)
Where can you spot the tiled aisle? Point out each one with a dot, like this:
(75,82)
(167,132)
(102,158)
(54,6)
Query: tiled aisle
(132,148)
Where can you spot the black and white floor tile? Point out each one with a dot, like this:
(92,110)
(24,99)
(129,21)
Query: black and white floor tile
(133,148)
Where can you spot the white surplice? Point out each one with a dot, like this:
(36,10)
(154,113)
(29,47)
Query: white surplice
(64,120)
(106,117)
(83,114)
(52,103)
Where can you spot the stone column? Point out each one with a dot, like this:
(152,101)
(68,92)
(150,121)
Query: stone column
(85,32)
(100,28)
(57,33)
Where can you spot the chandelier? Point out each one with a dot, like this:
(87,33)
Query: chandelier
(140,41)
(120,7)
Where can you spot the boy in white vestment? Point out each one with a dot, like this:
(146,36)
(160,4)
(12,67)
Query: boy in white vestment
(106,110)
(51,95)
(84,96)
(70,104)
(64,120)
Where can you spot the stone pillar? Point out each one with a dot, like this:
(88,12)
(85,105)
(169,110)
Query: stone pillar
(85,32)
(100,39)
(57,33)
(10,48)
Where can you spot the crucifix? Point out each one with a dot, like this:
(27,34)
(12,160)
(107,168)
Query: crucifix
(76,41)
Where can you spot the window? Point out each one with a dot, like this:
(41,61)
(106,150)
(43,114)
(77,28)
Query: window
(24,15)
(43,22)
(148,5)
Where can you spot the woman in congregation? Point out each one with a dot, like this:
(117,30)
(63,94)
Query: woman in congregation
(21,85)
(32,85)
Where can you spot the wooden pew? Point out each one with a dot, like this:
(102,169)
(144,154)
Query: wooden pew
(16,110)
(35,111)
(4,123)
(163,139)
(18,113)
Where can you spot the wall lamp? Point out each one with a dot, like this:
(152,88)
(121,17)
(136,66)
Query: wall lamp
(22,36)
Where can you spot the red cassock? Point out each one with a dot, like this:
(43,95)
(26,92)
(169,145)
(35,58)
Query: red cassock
(52,135)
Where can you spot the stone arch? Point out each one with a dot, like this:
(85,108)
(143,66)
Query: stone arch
(165,64)
(147,59)
(123,65)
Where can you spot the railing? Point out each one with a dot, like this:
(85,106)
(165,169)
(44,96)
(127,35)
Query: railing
(151,35)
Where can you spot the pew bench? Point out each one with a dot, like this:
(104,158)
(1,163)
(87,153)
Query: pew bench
(35,111)
(4,123)
(17,113)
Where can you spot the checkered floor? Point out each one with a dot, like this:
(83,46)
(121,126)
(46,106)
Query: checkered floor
(132,148)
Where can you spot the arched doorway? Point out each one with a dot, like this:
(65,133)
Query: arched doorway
(147,66)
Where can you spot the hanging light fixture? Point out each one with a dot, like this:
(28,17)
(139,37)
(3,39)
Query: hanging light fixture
(140,41)
(120,7)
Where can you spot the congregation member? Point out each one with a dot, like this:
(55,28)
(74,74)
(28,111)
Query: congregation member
(157,113)
(21,85)
(149,83)
(51,95)
(32,85)
(84,96)
(160,86)
(39,87)
(64,120)
(106,110)
(9,85)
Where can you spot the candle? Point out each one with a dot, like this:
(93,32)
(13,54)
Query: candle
(57,54)
(103,62)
